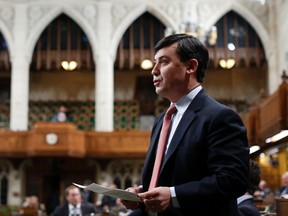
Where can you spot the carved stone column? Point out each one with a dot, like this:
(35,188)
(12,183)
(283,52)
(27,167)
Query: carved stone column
(20,72)
(104,71)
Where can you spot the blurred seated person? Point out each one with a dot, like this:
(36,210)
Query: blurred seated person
(74,205)
(119,209)
(61,115)
(265,195)
(246,205)
(31,206)
(108,202)
(87,195)
(31,202)
(262,190)
(283,192)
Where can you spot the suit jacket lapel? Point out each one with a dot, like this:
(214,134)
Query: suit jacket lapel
(183,126)
(151,153)
(157,130)
(179,133)
(155,135)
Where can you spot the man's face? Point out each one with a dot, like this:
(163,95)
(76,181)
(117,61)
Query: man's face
(74,196)
(285,179)
(170,75)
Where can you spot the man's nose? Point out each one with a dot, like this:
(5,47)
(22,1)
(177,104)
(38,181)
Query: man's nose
(155,70)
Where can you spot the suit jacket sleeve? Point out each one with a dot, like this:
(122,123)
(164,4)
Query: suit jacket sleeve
(223,171)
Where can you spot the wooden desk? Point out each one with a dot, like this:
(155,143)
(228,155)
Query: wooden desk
(282,207)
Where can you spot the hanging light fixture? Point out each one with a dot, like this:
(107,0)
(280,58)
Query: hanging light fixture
(146,64)
(69,66)
(196,30)
(227,64)
(254,149)
(282,134)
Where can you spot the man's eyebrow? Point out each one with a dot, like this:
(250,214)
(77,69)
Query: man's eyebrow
(161,57)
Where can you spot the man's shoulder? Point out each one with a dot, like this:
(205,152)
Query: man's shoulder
(63,206)
(59,209)
(248,204)
(203,99)
(248,208)
(211,105)
(89,206)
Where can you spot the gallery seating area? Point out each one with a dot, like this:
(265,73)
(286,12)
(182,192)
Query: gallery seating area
(82,113)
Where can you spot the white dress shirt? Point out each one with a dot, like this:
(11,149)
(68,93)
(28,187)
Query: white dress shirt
(75,210)
(181,105)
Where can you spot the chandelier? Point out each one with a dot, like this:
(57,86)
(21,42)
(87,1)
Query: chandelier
(197,30)
(192,28)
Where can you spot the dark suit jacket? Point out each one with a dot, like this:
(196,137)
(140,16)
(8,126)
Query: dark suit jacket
(207,161)
(248,208)
(86,208)
(281,190)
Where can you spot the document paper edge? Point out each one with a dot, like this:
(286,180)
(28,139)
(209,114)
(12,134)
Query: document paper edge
(117,193)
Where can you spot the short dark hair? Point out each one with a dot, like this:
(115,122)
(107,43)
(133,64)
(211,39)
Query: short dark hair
(189,47)
(254,177)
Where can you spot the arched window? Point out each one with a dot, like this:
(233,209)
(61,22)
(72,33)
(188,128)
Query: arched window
(236,39)
(5,83)
(4,56)
(138,42)
(62,40)
(4,170)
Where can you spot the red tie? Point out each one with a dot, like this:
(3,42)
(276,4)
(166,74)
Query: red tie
(162,145)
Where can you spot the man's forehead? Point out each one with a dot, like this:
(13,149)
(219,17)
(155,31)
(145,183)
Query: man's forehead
(166,51)
(74,191)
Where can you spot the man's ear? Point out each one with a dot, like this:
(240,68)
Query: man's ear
(192,65)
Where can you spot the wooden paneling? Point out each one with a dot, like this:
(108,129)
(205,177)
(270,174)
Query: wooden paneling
(73,143)
(273,113)
(251,124)
(13,144)
(268,118)
(118,144)
(282,207)
(70,142)
(263,121)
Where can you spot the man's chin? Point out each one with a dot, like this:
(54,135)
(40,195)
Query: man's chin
(158,91)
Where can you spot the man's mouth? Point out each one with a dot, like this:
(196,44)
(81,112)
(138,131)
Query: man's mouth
(156,82)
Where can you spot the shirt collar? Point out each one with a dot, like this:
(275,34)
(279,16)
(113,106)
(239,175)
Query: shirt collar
(72,206)
(244,197)
(184,102)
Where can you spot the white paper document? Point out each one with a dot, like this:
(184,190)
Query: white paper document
(117,193)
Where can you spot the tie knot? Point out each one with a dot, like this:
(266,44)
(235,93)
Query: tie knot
(172,109)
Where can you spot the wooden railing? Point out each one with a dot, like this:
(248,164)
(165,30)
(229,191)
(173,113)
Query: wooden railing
(251,123)
(64,139)
(269,117)
(263,121)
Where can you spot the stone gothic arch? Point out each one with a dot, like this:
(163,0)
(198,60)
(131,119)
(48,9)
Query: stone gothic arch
(50,16)
(7,36)
(130,17)
(249,16)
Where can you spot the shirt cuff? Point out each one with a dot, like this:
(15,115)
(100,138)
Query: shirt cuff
(175,202)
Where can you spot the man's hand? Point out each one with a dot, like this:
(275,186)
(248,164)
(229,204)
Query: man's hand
(157,199)
(132,204)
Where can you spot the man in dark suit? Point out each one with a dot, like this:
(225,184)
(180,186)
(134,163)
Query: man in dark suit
(246,204)
(206,164)
(74,205)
